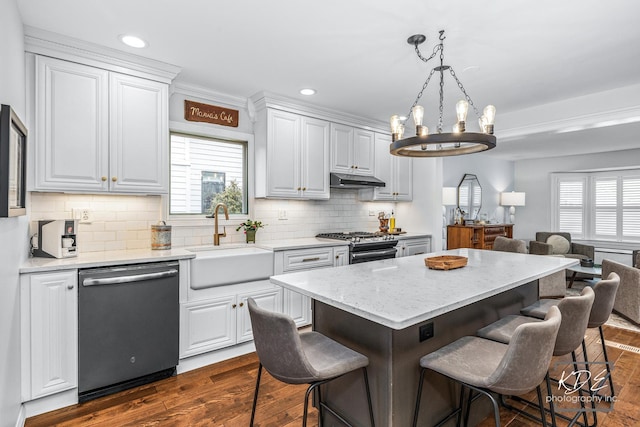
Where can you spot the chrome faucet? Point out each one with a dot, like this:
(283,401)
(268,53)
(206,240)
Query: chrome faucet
(216,235)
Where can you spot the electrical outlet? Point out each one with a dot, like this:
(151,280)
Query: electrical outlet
(426,331)
(282,214)
(84,215)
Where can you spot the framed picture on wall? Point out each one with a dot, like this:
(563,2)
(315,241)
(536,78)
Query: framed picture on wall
(13,163)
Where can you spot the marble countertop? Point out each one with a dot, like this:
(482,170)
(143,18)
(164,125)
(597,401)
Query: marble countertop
(402,292)
(107,258)
(313,242)
(104,259)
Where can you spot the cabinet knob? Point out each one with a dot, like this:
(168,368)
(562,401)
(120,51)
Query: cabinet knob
(104,178)
(304,188)
(337,256)
(241,304)
(70,286)
(356,167)
(234,306)
(299,188)
(114,178)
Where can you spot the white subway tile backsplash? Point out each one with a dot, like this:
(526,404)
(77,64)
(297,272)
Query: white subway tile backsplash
(124,222)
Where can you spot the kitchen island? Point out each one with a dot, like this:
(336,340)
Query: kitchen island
(397,310)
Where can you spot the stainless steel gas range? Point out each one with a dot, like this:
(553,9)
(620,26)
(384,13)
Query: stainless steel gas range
(365,246)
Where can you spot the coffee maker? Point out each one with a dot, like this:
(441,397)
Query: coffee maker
(57,238)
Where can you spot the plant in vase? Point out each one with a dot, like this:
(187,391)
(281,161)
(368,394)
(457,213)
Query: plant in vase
(250,228)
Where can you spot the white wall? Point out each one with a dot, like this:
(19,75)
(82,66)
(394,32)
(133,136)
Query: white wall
(424,213)
(13,231)
(533,177)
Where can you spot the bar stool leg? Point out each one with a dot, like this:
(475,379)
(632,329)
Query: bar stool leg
(420,383)
(366,384)
(606,359)
(255,395)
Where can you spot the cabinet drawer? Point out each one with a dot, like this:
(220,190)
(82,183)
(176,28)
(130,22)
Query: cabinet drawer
(494,231)
(305,259)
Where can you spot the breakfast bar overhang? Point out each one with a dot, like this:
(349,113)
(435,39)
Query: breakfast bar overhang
(397,310)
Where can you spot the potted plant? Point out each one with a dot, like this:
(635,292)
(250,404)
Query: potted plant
(250,228)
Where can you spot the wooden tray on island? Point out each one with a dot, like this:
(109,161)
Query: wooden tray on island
(445,262)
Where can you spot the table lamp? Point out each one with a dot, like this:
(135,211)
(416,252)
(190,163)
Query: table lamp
(512,199)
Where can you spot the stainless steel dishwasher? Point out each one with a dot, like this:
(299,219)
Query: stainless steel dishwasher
(128,325)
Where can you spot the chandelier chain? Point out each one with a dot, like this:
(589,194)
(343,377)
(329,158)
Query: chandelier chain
(467,97)
(436,48)
(424,86)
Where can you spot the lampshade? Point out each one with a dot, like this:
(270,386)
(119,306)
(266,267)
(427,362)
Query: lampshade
(512,198)
(449,196)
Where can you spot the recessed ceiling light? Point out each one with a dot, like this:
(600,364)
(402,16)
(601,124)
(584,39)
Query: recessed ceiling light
(308,92)
(133,41)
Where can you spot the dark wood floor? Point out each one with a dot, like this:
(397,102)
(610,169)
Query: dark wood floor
(221,395)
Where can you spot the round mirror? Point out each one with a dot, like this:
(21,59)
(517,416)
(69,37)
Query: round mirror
(469,196)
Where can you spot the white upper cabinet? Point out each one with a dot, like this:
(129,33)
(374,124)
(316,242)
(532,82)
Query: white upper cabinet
(139,140)
(99,131)
(72,132)
(352,150)
(395,171)
(292,156)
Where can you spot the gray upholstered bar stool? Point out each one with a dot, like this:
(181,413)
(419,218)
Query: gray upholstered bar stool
(488,366)
(505,244)
(605,295)
(301,358)
(575,317)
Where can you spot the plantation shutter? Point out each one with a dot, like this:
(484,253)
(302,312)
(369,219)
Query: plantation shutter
(631,208)
(606,207)
(571,206)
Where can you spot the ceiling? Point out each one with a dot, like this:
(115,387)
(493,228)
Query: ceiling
(513,54)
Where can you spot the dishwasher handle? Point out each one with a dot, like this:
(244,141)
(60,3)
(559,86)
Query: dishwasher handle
(129,279)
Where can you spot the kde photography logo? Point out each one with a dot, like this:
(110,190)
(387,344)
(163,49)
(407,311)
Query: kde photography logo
(582,389)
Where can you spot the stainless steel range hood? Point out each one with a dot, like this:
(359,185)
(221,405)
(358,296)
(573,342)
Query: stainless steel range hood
(344,180)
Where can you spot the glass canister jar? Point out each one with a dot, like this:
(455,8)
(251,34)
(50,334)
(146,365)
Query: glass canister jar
(160,236)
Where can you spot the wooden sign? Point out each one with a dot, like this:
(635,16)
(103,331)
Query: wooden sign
(197,112)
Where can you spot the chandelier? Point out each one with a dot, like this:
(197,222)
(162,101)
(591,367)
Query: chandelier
(441,144)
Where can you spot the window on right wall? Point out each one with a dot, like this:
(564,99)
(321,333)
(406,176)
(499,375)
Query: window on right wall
(601,206)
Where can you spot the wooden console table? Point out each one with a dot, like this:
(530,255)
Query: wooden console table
(476,236)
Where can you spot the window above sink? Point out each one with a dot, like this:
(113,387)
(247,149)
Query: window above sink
(206,171)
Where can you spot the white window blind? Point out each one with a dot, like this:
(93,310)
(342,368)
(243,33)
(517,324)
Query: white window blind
(606,204)
(571,206)
(631,207)
(598,205)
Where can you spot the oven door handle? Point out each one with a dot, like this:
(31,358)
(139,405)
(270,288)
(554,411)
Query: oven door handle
(129,279)
(373,254)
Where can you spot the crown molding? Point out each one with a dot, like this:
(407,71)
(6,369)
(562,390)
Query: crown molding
(195,91)
(263,100)
(574,124)
(56,45)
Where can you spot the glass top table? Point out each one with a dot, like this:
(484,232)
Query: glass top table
(595,271)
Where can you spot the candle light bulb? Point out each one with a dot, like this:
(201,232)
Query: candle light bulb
(395,121)
(490,114)
(456,128)
(482,121)
(462,107)
(400,131)
(418,115)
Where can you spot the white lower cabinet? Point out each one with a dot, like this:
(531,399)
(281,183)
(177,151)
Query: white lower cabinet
(416,246)
(296,305)
(49,322)
(222,321)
